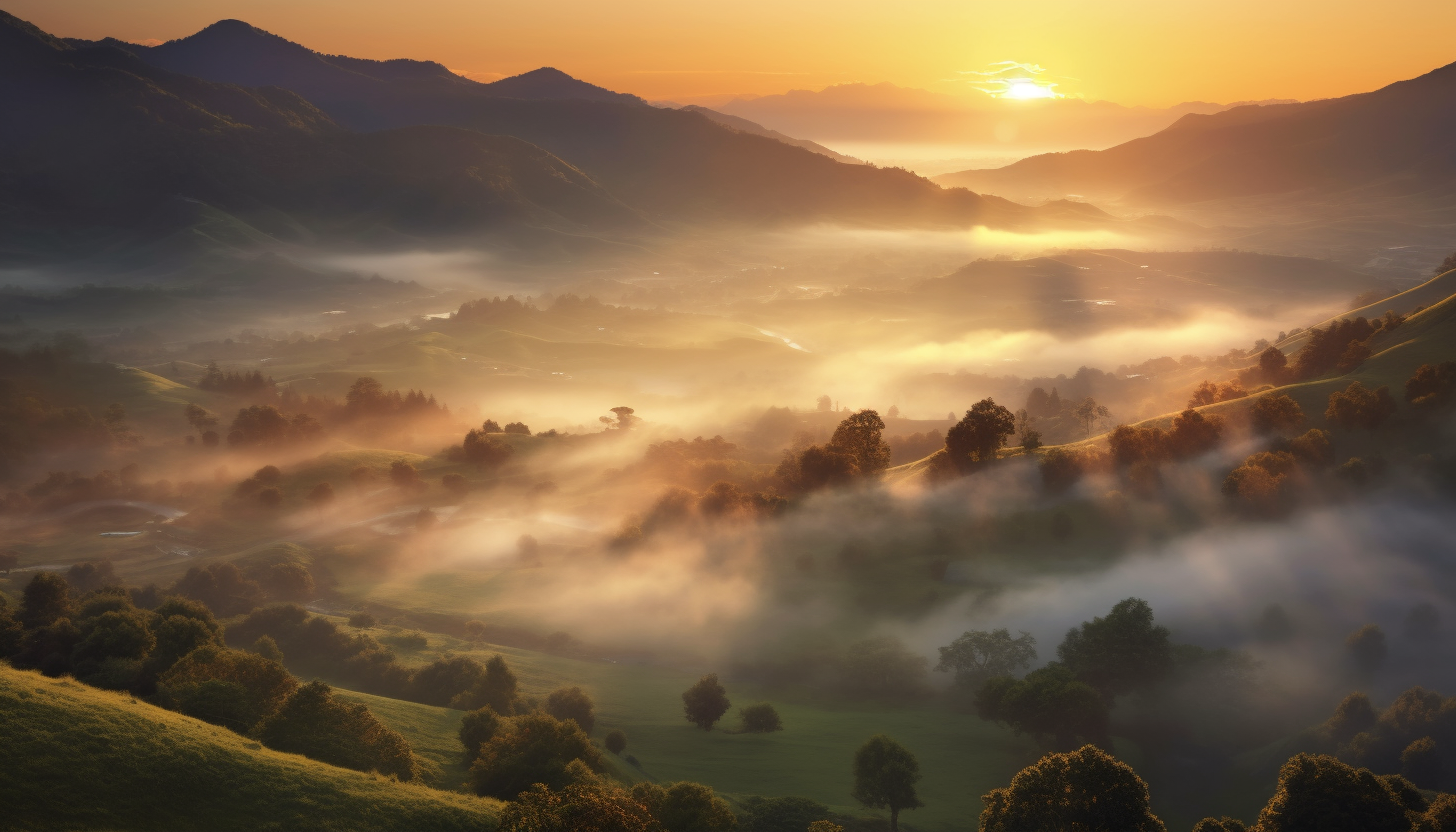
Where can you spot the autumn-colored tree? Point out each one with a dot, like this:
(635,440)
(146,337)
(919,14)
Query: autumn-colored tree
(318,725)
(1357,407)
(1087,790)
(859,436)
(1275,413)
(1432,385)
(532,748)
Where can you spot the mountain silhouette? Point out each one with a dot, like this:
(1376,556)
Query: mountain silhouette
(99,148)
(1398,141)
(746,126)
(676,166)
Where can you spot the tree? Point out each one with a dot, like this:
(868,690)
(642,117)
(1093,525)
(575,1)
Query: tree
(366,397)
(532,748)
(1051,704)
(1318,793)
(226,687)
(517,427)
(1088,412)
(285,581)
(484,450)
(1354,715)
(221,586)
(1193,434)
(115,634)
(579,807)
(885,774)
(1275,413)
(46,598)
(1060,469)
(1366,648)
(477,727)
(455,484)
(321,495)
(1421,764)
(859,436)
(978,655)
(266,647)
(821,466)
(1357,407)
(1440,816)
(615,741)
(572,703)
(975,439)
(1087,790)
(495,686)
(705,702)
(1432,385)
(199,418)
(404,476)
(1220,825)
(686,807)
(259,425)
(823,404)
(1273,366)
(1119,653)
(362,621)
(316,724)
(760,719)
(86,577)
(625,419)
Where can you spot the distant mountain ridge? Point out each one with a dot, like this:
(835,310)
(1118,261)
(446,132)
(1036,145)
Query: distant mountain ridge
(1399,140)
(677,167)
(743,124)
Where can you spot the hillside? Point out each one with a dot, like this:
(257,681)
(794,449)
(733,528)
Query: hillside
(1395,141)
(264,156)
(746,126)
(80,758)
(673,164)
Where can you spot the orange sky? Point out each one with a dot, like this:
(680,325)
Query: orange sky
(1151,52)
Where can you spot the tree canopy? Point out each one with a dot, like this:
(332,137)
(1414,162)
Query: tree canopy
(1120,652)
(705,702)
(1087,790)
(885,774)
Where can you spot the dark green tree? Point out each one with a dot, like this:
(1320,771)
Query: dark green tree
(496,687)
(1275,413)
(1051,704)
(1121,652)
(978,655)
(529,749)
(318,725)
(477,727)
(885,774)
(1087,790)
(760,719)
(686,807)
(45,599)
(616,741)
(572,703)
(1317,793)
(705,702)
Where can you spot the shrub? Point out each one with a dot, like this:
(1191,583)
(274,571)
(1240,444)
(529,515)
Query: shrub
(685,807)
(532,748)
(362,621)
(572,703)
(616,741)
(583,805)
(314,723)
(226,687)
(760,719)
(476,728)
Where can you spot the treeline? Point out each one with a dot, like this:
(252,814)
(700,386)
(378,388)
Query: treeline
(40,407)
(288,418)
(62,488)
(173,654)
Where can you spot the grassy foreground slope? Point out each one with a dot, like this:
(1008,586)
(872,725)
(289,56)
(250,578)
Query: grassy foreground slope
(78,758)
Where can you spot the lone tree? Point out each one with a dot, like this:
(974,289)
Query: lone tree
(705,702)
(616,741)
(859,437)
(885,773)
(1088,412)
(975,439)
(978,655)
(1087,790)
(1121,652)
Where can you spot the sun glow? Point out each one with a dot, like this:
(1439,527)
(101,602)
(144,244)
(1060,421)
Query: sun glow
(1023,89)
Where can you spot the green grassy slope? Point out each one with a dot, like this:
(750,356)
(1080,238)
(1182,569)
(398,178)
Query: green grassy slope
(960,756)
(1430,293)
(78,758)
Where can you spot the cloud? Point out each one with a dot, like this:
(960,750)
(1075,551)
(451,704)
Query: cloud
(1011,79)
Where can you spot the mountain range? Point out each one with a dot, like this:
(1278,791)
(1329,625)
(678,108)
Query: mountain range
(1398,141)
(104,140)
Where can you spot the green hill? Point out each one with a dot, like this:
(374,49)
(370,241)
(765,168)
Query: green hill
(78,758)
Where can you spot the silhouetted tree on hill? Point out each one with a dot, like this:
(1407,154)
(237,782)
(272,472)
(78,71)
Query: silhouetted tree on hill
(1317,793)
(705,702)
(975,439)
(1357,407)
(1087,790)
(885,774)
(1275,413)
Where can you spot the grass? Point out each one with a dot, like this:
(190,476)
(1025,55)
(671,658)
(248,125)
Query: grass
(960,756)
(78,758)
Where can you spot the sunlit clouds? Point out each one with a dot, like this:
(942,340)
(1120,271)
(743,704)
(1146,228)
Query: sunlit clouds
(1014,80)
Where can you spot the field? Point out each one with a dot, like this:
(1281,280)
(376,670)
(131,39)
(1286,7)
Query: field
(143,768)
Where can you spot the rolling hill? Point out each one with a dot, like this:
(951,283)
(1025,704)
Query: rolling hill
(675,165)
(1397,141)
(88,759)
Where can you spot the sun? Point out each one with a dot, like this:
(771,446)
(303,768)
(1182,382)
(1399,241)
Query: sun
(1025,88)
